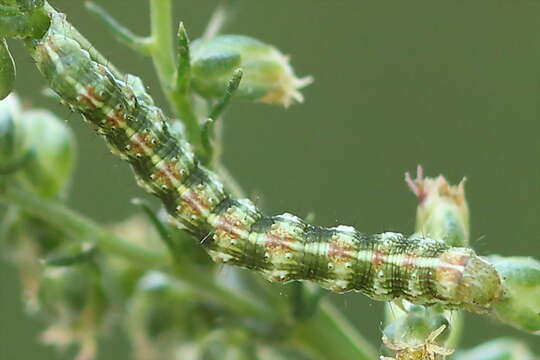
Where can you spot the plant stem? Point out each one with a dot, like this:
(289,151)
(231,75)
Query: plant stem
(161,35)
(123,34)
(207,288)
(456,322)
(80,227)
(161,49)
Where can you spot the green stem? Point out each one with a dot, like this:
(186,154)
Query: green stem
(123,34)
(456,322)
(207,288)
(81,227)
(161,49)
(328,335)
(161,35)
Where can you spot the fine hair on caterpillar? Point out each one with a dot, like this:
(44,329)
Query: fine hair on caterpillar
(387,266)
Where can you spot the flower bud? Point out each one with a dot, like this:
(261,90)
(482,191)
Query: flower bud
(418,331)
(48,172)
(498,349)
(267,74)
(13,140)
(442,211)
(520,305)
(39,145)
(7,70)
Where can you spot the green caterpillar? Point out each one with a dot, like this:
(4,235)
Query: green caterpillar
(283,248)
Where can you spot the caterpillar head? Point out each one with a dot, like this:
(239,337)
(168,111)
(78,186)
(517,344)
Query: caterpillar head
(468,281)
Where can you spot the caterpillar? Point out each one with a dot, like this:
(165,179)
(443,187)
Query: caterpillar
(387,266)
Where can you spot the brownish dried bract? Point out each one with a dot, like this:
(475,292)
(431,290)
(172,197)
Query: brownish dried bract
(429,350)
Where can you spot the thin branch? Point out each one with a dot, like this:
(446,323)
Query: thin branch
(208,141)
(124,35)
(163,57)
(161,35)
(222,103)
(80,227)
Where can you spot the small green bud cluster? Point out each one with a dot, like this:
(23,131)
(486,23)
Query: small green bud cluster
(50,168)
(37,148)
(267,75)
(13,139)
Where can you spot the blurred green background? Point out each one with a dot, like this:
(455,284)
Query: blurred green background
(453,85)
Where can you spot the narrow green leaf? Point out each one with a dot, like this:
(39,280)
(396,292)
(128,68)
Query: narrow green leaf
(163,232)
(207,131)
(183,72)
(232,86)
